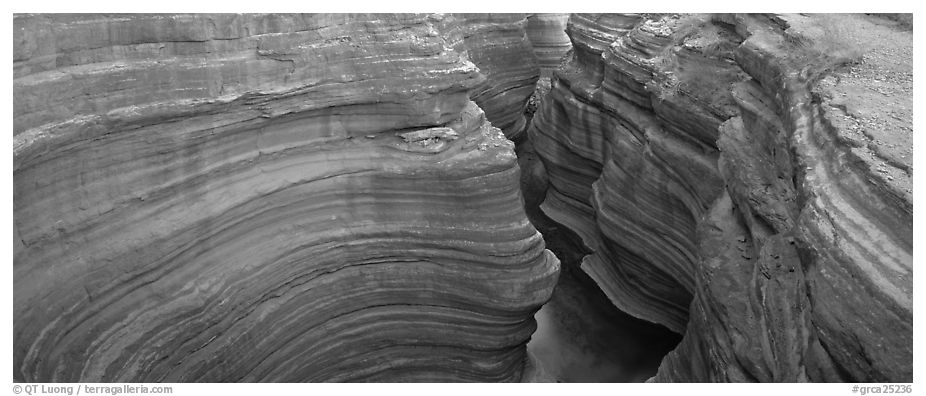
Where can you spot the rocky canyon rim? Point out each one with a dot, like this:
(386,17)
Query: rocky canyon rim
(337,197)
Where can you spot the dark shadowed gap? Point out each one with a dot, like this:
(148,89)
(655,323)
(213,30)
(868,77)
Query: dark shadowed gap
(581,336)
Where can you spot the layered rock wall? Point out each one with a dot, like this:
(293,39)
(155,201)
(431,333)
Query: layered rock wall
(547,33)
(823,287)
(264,198)
(630,172)
(499,45)
(721,199)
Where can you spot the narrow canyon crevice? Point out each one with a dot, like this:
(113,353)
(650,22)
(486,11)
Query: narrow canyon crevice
(462,197)
(581,335)
(720,188)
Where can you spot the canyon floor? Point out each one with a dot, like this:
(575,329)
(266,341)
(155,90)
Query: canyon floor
(581,337)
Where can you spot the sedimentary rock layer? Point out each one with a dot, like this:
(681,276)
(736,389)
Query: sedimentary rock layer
(630,171)
(499,46)
(263,198)
(823,287)
(722,200)
(547,33)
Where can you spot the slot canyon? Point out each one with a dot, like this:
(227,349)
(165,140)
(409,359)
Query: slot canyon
(462,198)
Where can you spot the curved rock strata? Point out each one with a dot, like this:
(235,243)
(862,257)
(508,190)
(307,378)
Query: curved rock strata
(630,171)
(498,44)
(825,240)
(263,198)
(719,188)
(547,33)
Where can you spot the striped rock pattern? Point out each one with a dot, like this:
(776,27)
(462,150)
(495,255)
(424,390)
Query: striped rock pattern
(807,256)
(547,33)
(264,198)
(630,171)
(499,46)
(718,200)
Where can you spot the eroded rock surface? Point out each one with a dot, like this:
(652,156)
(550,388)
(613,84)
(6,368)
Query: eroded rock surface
(704,162)
(629,172)
(498,44)
(547,33)
(264,198)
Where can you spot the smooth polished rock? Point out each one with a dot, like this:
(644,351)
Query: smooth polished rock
(264,198)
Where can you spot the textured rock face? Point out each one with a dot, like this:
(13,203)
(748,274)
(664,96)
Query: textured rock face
(720,198)
(264,198)
(825,242)
(626,174)
(499,46)
(547,33)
